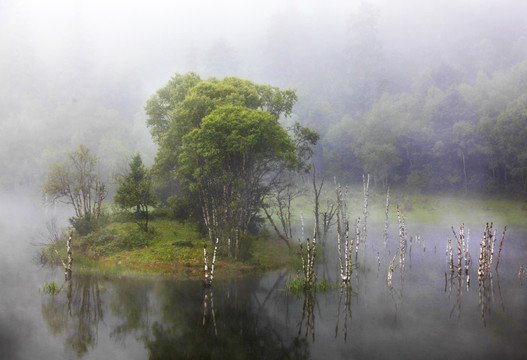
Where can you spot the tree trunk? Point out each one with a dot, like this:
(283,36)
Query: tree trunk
(465,173)
(68,268)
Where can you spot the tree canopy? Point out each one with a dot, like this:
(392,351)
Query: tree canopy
(221,142)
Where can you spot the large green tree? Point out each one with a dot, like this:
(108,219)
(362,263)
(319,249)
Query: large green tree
(224,145)
(180,106)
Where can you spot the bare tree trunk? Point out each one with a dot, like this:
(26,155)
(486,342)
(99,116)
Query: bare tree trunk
(501,244)
(67,266)
(366,187)
(386,217)
(68,270)
(270,218)
(317,199)
(465,172)
(209,277)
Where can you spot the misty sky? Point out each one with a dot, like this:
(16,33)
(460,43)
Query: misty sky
(154,37)
(80,71)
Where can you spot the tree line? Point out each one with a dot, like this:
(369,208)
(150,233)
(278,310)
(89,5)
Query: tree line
(443,135)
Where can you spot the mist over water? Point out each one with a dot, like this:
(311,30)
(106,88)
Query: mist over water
(137,319)
(77,72)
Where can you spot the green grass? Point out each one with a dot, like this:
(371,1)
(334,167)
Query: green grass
(170,249)
(297,286)
(50,288)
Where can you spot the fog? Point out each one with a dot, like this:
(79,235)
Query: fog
(408,90)
(80,72)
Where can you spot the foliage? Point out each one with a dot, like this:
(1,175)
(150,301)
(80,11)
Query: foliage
(83,225)
(50,288)
(298,286)
(186,100)
(174,249)
(445,135)
(75,182)
(224,149)
(111,240)
(136,191)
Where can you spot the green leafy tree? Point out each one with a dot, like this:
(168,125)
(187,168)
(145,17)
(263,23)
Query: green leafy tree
(160,106)
(225,147)
(76,182)
(232,161)
(170,118)
(136,191)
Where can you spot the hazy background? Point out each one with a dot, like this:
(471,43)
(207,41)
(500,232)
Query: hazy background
(76,72)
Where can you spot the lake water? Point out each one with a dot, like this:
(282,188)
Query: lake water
(419,316)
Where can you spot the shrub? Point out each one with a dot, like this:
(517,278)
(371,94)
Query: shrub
(106,241)
(83,225)
(50,288)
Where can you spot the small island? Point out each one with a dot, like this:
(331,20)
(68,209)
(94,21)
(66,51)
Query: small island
(224,164)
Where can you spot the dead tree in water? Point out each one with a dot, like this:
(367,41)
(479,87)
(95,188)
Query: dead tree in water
(486,255)
(308,261)
(327,216)
(385,236)
(366,187)
(317,191)
(464,259)
(209,276)
(521,274)
(501,244)
(328,220)
(345,261)
(278,205)
(402,238)
(67,265)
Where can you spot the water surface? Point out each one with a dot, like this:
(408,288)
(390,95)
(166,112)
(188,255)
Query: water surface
(419,316)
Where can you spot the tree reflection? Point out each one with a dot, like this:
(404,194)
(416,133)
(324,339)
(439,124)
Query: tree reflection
(346,292)
(130,302)
(208,302)
(308,315)
(75,313)
(224,327)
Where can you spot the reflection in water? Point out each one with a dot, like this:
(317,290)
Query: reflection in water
(460,271)
(75,313)
(208,302)
(346,292)
(254,318)
(129,301)
(236,332)
(308,315)
(486,292)
(396,290)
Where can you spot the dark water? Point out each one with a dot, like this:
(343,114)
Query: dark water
(419,316)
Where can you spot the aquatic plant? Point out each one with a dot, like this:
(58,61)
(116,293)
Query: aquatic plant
(50,288)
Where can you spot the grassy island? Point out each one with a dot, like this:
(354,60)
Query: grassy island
(171,249)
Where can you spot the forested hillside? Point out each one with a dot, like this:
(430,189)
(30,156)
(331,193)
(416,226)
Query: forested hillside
(418,101)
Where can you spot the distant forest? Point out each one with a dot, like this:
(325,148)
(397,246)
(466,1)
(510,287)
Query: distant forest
(439,106)
(444,135)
